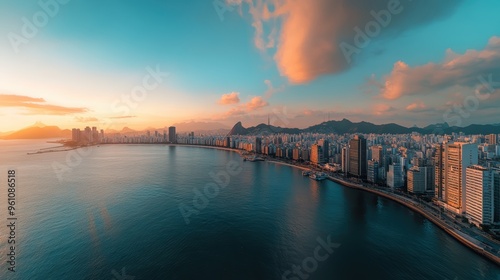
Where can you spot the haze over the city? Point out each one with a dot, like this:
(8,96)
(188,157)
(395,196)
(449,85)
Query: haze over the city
(157,63)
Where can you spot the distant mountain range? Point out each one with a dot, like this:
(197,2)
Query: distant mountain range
(346,126)
(38,131)
(42,131)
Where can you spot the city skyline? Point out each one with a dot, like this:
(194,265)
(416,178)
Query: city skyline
(61,72)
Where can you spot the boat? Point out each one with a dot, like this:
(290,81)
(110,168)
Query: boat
(254,158)
(306,173)
(318,176)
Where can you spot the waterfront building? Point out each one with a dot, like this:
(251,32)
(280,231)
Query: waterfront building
(417,180)
(372,171)
(496,196)
(76,135)
(316,154)
(479,195)
(345,159)
(258,145)
(459,156)
(87,136)
(357,157)
(439,170)
(172,136)
(394,176)
(325,147)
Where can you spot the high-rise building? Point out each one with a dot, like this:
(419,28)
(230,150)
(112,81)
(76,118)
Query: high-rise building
(258,145)
(345,159)
(357,156)
(325,147)
(492,139)
(172,136)
(459,156)
(87,136)
(377,153)
(395,176)
(479,195)
(372,171)
(496,196)
(76,135)
(316,154)
(95,135)
(417,180)
(439,170)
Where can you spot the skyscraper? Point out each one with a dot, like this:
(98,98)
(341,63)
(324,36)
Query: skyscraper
(357,156)
(325,148)
(439,169)
(372,171)
(417,180)
(316,154)
(172,136)
(345,159)
(492,139)
(394,176)
(258,145)
(496,196)
(377,153)
(459,156)
(479,195)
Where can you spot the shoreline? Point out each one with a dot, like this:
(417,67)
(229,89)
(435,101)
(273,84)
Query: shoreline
(410,205)
(449,230)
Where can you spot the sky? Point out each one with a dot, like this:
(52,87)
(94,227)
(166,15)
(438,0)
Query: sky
(140,64)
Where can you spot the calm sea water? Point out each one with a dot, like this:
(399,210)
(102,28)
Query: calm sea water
(114,212)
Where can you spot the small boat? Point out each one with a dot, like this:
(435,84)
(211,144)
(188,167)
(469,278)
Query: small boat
(318,176)
(306,173)
(254,158)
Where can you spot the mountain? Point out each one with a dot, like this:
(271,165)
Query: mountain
(37,132)
(346,126)
(238,129)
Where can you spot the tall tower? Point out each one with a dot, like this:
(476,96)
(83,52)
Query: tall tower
(325,147)
(357,157)
(480,199)
(377,153)
(459,156)
(172,136)
(439,169)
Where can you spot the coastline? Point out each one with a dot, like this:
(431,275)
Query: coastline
(414,207)
(462,238)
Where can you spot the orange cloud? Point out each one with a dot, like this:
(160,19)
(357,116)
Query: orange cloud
(230,98)
(381,109)
(416,107)
(256,103)
(456,69)
(308,34)
(37,106)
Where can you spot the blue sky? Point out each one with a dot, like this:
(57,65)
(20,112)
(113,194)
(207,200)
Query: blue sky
(91,53)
